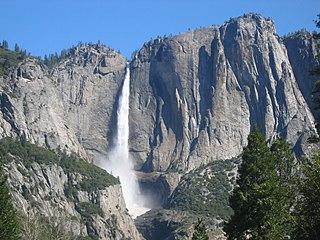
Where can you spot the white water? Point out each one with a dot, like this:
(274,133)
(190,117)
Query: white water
(119,163)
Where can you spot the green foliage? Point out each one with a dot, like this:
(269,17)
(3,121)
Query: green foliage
(265,191)
(9,59)
(5,44)
(94,178)
(9,227)
(200,232)
(86,210)
(206,190)
(307,211)
(283,188)
(52,59)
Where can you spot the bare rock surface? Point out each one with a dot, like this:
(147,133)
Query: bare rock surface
(198,94)
(69,106)
(41,190)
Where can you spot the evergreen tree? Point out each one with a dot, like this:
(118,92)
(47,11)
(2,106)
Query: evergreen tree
(283,192)
(308,209)
(261,201)
(5,44)
(16,48)
(200,232)
(9,229)
(248,197)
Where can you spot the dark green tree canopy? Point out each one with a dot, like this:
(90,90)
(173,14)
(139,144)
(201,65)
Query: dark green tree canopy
(200,231)
(263,197)
(9,228)
(308,209)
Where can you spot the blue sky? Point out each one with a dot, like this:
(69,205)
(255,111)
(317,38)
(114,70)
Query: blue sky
(48,26)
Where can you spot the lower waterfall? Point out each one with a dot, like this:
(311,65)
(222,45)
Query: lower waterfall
(119,163)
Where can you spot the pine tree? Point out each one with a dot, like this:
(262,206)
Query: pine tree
(9,228)
(200,232)
(248,197)
(283,192)
(308,209)
(16,48)
(5,44)
(261,200)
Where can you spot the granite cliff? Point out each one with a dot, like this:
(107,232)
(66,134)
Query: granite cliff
(194,96)
(199,94)
(69,105)
(194,99)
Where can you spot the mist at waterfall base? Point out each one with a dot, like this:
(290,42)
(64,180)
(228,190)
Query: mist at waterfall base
(118,161)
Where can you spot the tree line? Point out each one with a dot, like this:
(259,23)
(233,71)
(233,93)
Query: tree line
(5,45)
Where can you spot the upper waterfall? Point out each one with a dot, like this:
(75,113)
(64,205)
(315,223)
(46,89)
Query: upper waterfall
(119,162)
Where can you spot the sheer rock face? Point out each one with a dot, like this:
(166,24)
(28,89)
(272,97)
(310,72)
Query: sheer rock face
(69,106)
(302,51)
(196,96)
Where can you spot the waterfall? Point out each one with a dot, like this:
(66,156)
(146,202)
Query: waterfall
(119,163)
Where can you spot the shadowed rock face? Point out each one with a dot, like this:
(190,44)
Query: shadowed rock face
(196,96)
(302,53)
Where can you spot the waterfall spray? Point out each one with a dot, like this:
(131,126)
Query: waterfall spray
(119,163)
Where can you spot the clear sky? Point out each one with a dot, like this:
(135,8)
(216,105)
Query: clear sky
(48,26)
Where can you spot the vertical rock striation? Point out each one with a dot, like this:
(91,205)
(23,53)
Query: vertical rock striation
(194,99)
(302,52)
(198,94)
(68,106)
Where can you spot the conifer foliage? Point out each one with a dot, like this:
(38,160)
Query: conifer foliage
(200,232)
(9,228)
(263,196)
(307,211)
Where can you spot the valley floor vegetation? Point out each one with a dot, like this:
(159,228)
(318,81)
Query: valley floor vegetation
(275,197)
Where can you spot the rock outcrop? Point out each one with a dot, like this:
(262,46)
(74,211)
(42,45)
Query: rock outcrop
(65,199)
(70,106)
(199,93)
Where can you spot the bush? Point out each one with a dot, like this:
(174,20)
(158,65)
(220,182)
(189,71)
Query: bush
(9,59)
